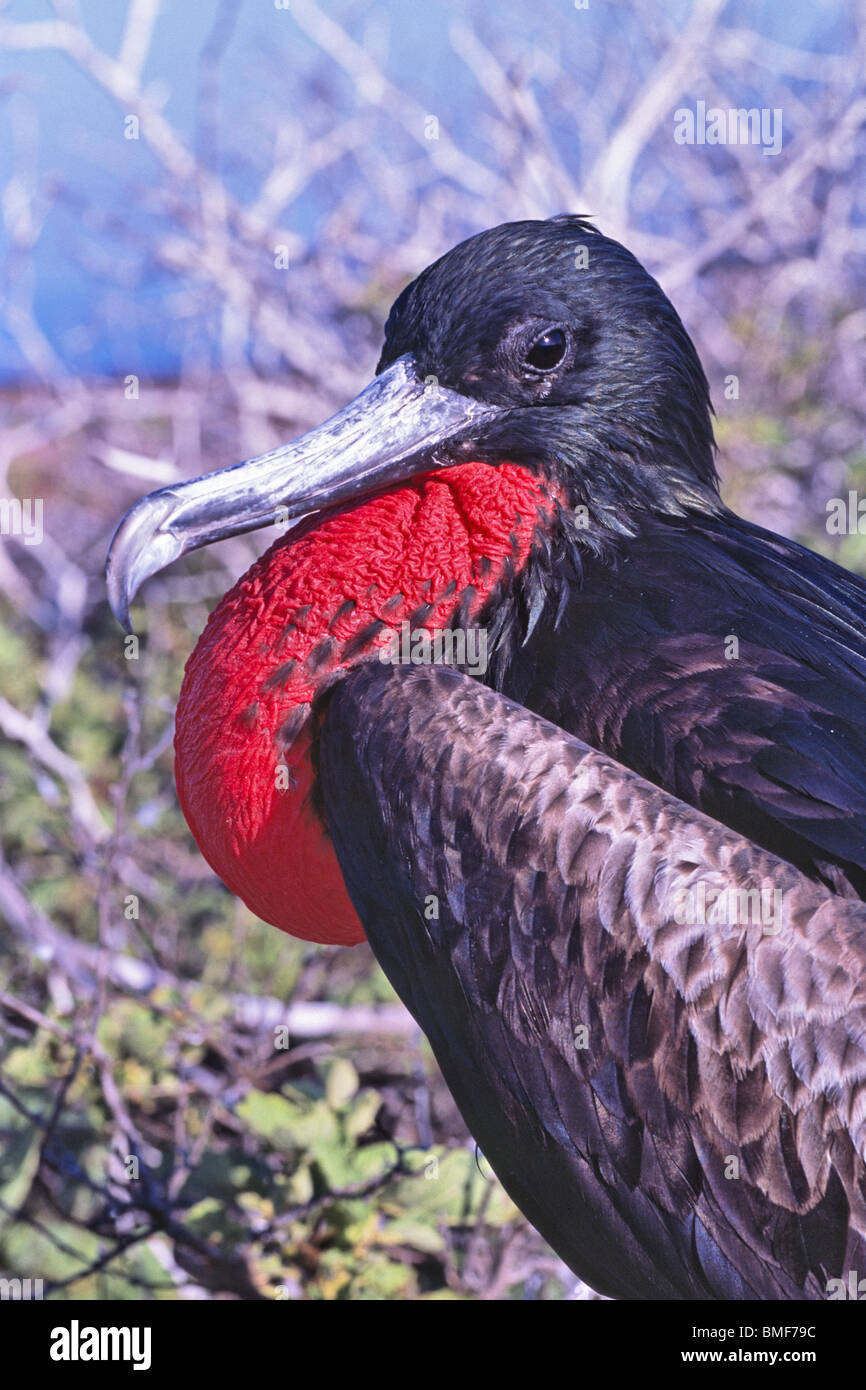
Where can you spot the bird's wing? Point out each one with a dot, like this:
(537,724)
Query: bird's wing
(679,1108)
(729,667)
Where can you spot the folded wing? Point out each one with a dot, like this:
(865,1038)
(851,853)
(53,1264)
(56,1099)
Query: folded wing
(655,1030)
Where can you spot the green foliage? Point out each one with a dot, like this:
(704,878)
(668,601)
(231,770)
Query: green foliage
(261,1173)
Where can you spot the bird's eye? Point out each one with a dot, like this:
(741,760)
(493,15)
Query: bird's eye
(547,351)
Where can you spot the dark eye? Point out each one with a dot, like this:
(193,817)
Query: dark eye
(547,351)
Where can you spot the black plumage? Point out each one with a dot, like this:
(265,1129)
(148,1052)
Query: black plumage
(704,1138)
(674,697)
(619,629)
(722,663)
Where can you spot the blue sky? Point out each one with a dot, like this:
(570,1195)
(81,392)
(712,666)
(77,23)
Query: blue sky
(55,119)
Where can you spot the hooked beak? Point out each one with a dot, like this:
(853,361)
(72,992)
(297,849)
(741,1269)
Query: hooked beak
(388,433)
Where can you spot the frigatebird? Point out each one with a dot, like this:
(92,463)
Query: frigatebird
(543,851)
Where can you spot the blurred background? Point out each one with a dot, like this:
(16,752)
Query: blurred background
(205,213)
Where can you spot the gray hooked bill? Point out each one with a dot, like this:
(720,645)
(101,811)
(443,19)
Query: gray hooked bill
(397,426)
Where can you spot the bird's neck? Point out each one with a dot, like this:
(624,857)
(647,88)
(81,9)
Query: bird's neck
(432,554)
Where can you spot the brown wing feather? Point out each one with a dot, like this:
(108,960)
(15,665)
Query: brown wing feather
(711,1050)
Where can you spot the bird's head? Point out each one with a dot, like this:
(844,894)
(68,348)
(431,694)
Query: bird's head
(539,343)
(533,371)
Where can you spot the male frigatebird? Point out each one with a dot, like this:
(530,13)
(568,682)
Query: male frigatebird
(543,854)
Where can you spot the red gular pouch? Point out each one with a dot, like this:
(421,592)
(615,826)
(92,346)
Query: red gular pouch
(324,597)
